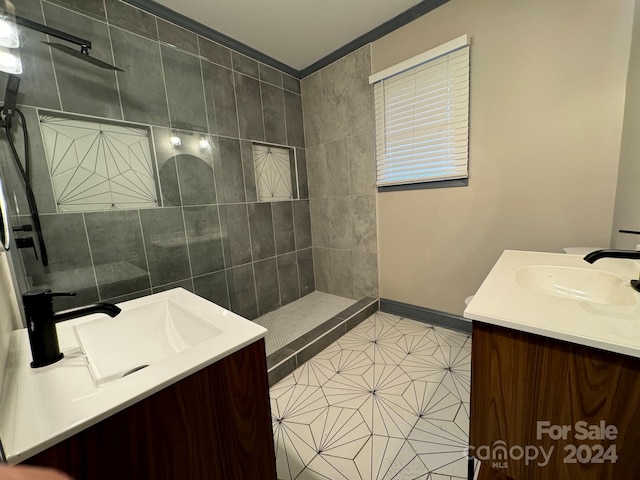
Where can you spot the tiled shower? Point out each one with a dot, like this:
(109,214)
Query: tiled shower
(204,107)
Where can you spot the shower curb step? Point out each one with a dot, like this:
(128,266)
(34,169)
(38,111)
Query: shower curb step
(286,359)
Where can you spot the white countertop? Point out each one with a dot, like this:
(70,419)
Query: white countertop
(41,407)
(502,301)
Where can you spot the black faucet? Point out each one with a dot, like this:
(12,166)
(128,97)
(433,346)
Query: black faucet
(598,254)
(41,323)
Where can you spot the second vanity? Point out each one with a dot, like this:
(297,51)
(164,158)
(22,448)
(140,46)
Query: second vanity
(556,369)
(200,409)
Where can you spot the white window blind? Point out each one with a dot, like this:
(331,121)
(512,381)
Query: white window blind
(422,120)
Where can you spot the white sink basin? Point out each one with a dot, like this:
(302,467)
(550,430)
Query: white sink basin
(139,337)
(583,284)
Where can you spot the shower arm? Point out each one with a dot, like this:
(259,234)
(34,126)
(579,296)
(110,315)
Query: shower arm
(85,45)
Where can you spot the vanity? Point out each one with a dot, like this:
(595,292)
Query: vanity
(173,387)
(555,389)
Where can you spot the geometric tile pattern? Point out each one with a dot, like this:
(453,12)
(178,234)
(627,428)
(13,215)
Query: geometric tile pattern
(273,173)
(98,166)
(388,400)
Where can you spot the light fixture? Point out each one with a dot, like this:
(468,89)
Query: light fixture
(175,141)
(9,37)
(10,61)
(204,144)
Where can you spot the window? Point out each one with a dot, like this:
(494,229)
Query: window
(422,118)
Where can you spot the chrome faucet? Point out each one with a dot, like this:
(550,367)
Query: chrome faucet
(41,323)
(598,254)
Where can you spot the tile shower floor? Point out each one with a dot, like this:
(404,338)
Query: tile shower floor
(388,400)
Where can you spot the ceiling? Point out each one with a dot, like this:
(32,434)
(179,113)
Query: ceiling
(297,33)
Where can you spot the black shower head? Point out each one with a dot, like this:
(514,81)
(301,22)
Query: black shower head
(82,56)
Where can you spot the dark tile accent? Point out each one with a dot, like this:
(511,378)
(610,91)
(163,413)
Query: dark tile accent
(204,239)
(261,225)
(186,284)
(242,291)
(360,317)
(295,124)
(266,272)
(83,87)
(270,75)
(278,356)
(128,296)
(213,287)
(132,19)
(166,245)
(238,233)
(214,52)
(141,86)
(291,83)
(221,99)
(185,95)
(70,268)
(245,65)
(278,373)
(355,308)
(195,175)
(302,224)
(305,271)
(312,335)
(232,176)
(426,315)
(288,278)
(249,107)
(303,184)
(283,227)
(320,344)
(273,114)
(177,36)
(249,170)
(94,8)
(118,253)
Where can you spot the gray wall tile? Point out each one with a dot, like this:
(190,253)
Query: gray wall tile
(166,245)
(204,239)
(84,88)
(283,227)
(183,80)
(295,123)
(118,252)
(242,291)
(334,106)
(238,233)
(291,83)
(288,277)
(302,224)
(270,75)
(232,175)
(94,8)
(214,52)
(221,99)
(323,267)
(342,273)
(273,114)
(320,224)
(306,271)
(244,64)
(187,284)
(132,19)
(341,225)
(337,168)
(363,209)
(249,107)
(317,172)
(312,107)
(266,272)
(359,96)
(261,225)
(248,170)
(303,182)
(141,86)
(213,287)
(362,164)
(167,168)
(365,273)
(177,36)
(127,297)
(195,176)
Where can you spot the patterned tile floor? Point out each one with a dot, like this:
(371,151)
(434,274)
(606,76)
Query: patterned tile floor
(388,400)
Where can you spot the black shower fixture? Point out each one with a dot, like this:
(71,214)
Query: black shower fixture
(85,45)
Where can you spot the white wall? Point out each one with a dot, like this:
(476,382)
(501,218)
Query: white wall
(548,82)
(9,316)
(627,209)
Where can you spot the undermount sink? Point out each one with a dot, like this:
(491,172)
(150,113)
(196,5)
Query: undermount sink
(582,284)
(140,336)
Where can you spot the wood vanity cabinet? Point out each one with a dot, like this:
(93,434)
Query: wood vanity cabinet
(519,379)
(214,424)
